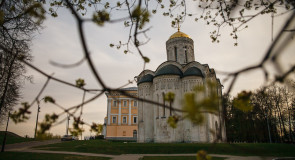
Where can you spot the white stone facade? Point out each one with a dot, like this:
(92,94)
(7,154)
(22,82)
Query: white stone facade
(179,74)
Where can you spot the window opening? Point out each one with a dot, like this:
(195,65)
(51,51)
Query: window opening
(134,120)
(164,104)
(175,53)
(124,120)
(114,119)
(185,53)
(158,108)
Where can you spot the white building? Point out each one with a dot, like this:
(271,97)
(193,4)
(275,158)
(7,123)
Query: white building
(179,74)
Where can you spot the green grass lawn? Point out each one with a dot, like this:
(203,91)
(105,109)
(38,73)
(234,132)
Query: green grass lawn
(44,156)
(13,138)
(176,158)
(106,147)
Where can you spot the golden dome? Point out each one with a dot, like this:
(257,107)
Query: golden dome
(179,34)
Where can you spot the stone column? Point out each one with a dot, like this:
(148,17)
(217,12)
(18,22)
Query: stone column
(109,111)
(129,121)
(119,114)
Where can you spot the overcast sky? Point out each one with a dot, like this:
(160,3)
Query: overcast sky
(59,42)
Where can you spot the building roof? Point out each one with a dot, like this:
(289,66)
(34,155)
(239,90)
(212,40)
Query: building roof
(169,69)
(178,34)
(146,78)
(193,71)
(129,89)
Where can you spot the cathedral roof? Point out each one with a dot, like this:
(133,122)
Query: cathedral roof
(169,69)
(129,89)
(193,71)
(178,34)
(146,78)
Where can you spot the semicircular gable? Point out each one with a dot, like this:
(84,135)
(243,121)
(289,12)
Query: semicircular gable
(169,69)
(169,62)
(193,71)
(145,78)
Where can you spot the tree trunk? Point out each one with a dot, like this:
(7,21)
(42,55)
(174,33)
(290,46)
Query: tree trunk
(283,124)
(281,130)
(290,130)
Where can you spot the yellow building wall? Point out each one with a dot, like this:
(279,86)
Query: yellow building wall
(134,111)
(117,131)
(114,110)
(122,130)
(124,110)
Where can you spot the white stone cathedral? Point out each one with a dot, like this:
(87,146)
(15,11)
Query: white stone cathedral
(179,74)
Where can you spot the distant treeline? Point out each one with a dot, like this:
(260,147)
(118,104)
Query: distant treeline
(270,119)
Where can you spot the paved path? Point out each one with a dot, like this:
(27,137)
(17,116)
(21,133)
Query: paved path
(27,147)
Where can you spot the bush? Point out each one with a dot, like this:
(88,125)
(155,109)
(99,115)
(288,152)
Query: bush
(47,136)
(99,137)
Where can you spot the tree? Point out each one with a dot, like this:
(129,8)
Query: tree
(97,128)
(18,21)
(266,121)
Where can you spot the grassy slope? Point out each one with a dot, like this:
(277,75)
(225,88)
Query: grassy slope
(13,138)
(44,156)
(105,147)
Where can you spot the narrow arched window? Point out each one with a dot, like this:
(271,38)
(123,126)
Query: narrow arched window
(158,107)
(185,53)
(175,53)
(164,105)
